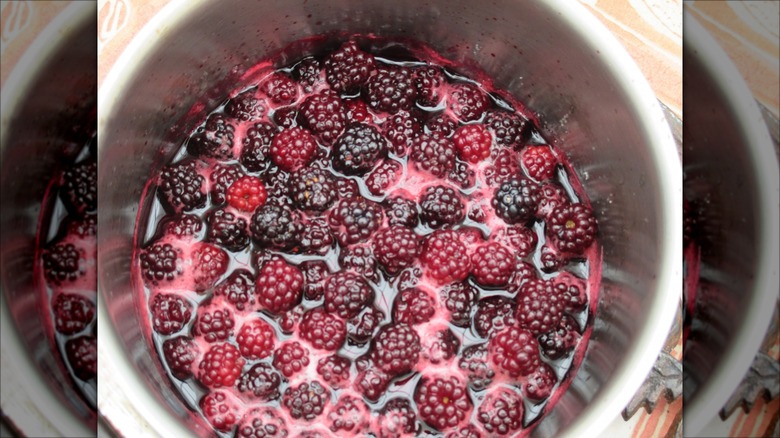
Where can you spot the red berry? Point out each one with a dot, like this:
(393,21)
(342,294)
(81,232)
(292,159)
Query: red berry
(279,286)
(445,258)
(357,111)
(443,402)
(349,414)
(227,230)
(293,149)
(246,107)
(384,177)
(214,140)
(400,129)
(413,306)
(360,328)
(458,299)
(246,194)
(238,289)
(524,272)
(221,177)
(220,366)
(514,351)
(72,313)
(473,363)
(170,313)
(220,409)
(539,162)
(396,349)
(372,383)
(261,423)
(467,101)
(305,401)
(396,248)
(63,262)
(291,358)
(492,265)
(573,227)
(540,383)
(325,115)
(82,356)
(433,153)
(209,263)
(323,330)
(397,419)
(182,186)
(334,370)
(506,127)
(290,319)
(261,382)
(501,412)
(256,339)
(180,355)
(348,68)
(214,323)
(360,259)
(391,90)
(355,220)
(280,89)
(441,205)
(473,142)
(346,294)
(494,314)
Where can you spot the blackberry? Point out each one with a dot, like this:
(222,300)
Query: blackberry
(391,90)
(307,73)
(256,153)
(358,149)
(291,358)
(443,401)
(238,289)
(501,412)
(313,189)
(316,237)
(160,262)
(315,273)
(463,175)
(227,230)
(467,101)
(286,118)
(514,351)
(182,186)
(492,265)
(439,346)
(62,262)
(401,211)
(397,419)
(79,183)
(325,115)
(346,294)
(355,220)
(400,129)
(275,226)
(396,349)
(184,225)
(494,314)
(396,248)
(180,354)
(441,124)
(214,323)
(361,328)
(433,153)
(440,206)
(245,107)
(427,82)
(473,363)
(221,178)
(515,200)
(350,414)
(383,177)
(261,423)
(459,298)
(573,227)
(306,401)
(413,306)
(507,127)
(561,340)
(170,313)
(280,89)
(214,140)
(279,286)
(348,68)
(322,329)
(334,370)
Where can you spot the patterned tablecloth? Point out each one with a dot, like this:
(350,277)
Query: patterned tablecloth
(651,31)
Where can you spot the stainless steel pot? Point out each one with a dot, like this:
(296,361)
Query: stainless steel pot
(591,98)
(51,88)
(730,167)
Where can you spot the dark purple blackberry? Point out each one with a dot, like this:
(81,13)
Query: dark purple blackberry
(180,353)
(348,68)
(246,107)
(214,140)
(391,90)
(427,81)
(182,186)
(261,382)
(316,237)
(401,211)
(170,313)
(325,115)
(442,124)
(515,200)
(347,188)
(277,187)
(361,260)
(286,117)
(307,72)
(413,306)
(160,262)
(85,226)
(507,127)
(400,129)
(358,149)
(221,178)
(440,206)
(183,225)
(433,153)
(467,101)
(61,263)
(306,401)
(313,189)
(383,177)
(238,289)
(396,349)
(79,185)
(459,298)
(227,230)
(347,294)
(315,272)
(462,174)
(355,220)
(540,306)
(275,226)
(561,340)
(255,155)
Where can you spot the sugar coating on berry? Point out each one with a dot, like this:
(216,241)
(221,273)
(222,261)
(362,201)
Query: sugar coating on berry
(522,240)
(514,351)
(561,340)
(323,330)
(372,383)
(445,257)
(539,384)
(346,294)
(280,89)
(221,177)
(349,414)
(573,227)
(441,124)
(396,349)
(214,140)
(428,81)
(279,286)
(182,226)
(473,142)
(293,148)
(170,313)
(256,339)
(220,366)
(384,177)
(72,313)
(306,401)
(443,402)
(492,264)
(400,129)
(307,72)
(361,260)
(396,248)
(439,345)
(361,328)
(433,153)
(209,263)
(358,149)
(291,358)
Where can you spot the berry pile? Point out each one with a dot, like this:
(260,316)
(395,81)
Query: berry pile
(68,265)
(377,255)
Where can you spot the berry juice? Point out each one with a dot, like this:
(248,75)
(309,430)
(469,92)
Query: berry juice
(67,270)
(367,242)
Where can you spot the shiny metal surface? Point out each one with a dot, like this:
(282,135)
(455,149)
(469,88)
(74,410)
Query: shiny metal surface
(53,85)
(590,96)
(731,167)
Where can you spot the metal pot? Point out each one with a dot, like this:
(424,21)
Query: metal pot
(730,165)
(52,87)
(591,99)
